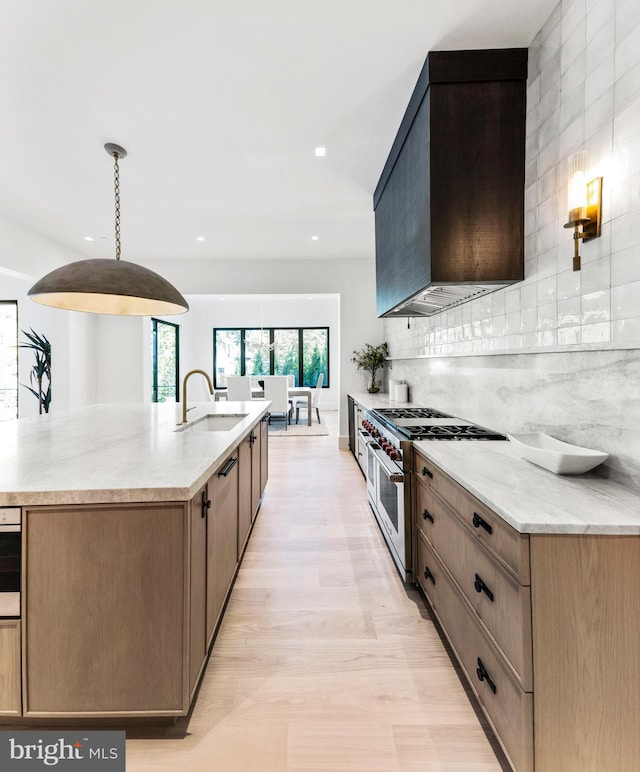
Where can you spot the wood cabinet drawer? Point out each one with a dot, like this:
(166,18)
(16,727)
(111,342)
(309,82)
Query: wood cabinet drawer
(503,605)
(10,689)
(509,546)
(508,708)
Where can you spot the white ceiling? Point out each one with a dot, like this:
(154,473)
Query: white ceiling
(220,106)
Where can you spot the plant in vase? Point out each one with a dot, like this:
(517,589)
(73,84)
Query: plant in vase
(371,359)
(41,369)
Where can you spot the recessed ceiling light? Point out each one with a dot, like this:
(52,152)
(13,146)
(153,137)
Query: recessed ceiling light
(314,238)
(88,238)
(320,152)
(199,238)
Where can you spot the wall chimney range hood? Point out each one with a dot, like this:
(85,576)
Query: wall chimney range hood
(449,205)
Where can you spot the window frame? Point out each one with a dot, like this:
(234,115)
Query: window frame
(17,346)
(271,331)
(154,357)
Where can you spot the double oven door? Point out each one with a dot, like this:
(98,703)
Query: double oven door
(387,493)
(10,553)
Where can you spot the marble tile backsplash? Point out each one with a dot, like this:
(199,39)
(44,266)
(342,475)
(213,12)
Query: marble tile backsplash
(583,93)
(588,398)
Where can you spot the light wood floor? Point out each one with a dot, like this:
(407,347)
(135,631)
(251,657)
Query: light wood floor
(324,661)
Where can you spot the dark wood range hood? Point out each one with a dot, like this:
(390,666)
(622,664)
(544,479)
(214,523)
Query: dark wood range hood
(449,205)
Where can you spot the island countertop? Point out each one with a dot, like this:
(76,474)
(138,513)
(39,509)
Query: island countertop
(116,453)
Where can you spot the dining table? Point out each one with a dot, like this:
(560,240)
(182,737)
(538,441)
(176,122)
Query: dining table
(293,391)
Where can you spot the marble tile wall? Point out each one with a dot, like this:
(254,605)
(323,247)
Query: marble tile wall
(560,351)
(583,93)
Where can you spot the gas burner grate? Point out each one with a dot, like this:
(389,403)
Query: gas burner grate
(410,412)
(450,433)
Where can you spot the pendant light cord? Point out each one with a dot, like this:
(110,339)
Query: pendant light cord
(116,179)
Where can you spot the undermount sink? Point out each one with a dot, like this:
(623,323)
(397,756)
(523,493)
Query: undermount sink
(556,456)
(214,422)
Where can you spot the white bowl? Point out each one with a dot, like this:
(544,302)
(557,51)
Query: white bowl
(556,456)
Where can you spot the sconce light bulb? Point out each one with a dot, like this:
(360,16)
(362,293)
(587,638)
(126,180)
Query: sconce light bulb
(577,187)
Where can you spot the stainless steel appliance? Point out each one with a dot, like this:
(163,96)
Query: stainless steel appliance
(388,434)
(10,561)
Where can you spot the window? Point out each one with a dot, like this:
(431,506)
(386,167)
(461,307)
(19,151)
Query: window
(299,351)
(8,359)
(165,357)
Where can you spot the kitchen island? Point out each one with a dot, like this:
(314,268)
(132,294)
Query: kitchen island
(133,528)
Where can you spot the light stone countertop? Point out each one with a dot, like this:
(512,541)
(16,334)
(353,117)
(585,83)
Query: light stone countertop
(116,453)
(532,499)
(527,497)
(381,399)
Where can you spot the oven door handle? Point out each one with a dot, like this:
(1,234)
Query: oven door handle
(390,469)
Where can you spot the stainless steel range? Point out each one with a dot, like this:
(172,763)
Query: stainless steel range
(388,434)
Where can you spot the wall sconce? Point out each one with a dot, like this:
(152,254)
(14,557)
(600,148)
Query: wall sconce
(584,204)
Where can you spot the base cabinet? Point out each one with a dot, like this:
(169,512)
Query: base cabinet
(545,627)
(508,708)
(222,539)
(10,692)
(104,599)
(264,453)
(245,511)
(198,586)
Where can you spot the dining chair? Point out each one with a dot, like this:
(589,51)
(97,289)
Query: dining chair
(276,391)
(238,387)
(302,401)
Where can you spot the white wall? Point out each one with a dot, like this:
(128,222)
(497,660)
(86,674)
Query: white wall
(71,351)
(120,362)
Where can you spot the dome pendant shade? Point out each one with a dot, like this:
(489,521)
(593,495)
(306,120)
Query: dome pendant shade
(108,287)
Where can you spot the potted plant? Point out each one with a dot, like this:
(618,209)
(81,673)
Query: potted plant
(41,369)
(371,359)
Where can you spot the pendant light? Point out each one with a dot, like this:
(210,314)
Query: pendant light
(109,286)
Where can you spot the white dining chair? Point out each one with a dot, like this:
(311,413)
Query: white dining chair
(276,391)
(302,401)
(238,387)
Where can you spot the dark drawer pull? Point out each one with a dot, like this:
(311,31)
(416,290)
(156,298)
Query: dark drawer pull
(427,473)
(482,587)
(206,504)
(481,670)
(429,575)
(426,515)
(228,467)
(478,522)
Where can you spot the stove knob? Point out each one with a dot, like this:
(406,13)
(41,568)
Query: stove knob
(394,455)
